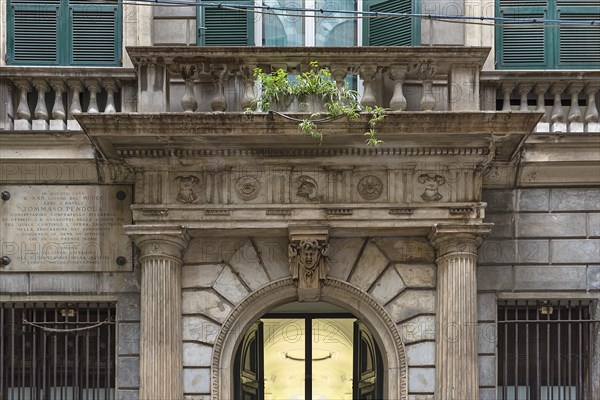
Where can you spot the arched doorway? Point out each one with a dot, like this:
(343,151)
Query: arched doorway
(308,351)
(335,292)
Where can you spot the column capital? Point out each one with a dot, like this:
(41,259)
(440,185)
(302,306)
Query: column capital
(159,240)
(457,238)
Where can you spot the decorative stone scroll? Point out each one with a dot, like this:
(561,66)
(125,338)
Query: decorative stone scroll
(309,263)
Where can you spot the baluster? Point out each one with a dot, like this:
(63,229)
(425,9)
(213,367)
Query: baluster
(575,118)
(93,86)
(367,73)
(397,74)
(507,88)
(540,91)
(426,74)
(218,102)
(111,86)
(524,89)
(339,72)
(58,109)
(247,73)
(10,111)
(75,107)
(558,113)
(23,111)
(188,101)
(591,113)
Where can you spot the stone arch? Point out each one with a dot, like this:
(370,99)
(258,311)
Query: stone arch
(335,292)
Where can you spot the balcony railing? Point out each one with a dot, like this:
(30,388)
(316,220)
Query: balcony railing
(47,98)
(569,99)
(204,79)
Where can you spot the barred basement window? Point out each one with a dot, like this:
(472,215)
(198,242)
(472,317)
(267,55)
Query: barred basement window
(544,350)
(57,351)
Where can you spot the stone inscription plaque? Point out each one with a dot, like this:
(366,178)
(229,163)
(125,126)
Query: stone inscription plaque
(65,228)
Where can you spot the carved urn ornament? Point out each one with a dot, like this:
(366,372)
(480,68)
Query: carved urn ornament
(309,266)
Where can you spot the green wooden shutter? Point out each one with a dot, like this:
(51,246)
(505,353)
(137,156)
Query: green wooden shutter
(579,44)
(392,31)
(225,27)
(33,32)
(96,33)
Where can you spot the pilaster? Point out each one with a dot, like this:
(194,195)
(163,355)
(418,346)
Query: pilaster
(161,249)
(456,342)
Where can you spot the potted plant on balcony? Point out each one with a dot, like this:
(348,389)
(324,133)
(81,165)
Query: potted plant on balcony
(313,91)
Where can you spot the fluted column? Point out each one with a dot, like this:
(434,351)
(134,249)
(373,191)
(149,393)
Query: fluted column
(161,364)
(456,341)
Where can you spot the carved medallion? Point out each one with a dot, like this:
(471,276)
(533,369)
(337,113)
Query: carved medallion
(247,188)
(432,183)
(308,188)
(370,187)
(186,189)
(309,266)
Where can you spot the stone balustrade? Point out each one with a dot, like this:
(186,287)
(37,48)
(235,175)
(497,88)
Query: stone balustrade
(204,79)
(569,99)
(47,98)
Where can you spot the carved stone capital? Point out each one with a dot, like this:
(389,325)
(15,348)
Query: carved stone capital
(308,257)
(454,240)
(159,241)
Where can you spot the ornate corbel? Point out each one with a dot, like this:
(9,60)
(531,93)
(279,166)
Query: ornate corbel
(309,262)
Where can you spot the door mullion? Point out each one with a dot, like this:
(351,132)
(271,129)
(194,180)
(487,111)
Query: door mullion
(308,358)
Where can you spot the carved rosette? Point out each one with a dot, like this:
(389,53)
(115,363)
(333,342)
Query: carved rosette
(370,187)
(247,188)
(309,263)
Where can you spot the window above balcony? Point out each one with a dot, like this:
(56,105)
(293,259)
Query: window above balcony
(550,45)
(64,32)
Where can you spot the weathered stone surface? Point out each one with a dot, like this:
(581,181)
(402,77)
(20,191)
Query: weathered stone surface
(406,249)
(421,380)
(486,307)
(417,275)
(534,200)
(196,355)
(503,225)
(200,329)
(417,329)
(128,395)
(575,199)
(421,397)
(593,277)
(174,11)
(196,380)
(487,394)
(421,354)
(64,282)
(274,255)
(548,225)
(247,264)
(129,338)
(487,371)
(128,307)
(533,251)
(230,286)
(14,283)
(343,254)
(411,303)
(497,252)
(172,31)
(207,303)
(594,224)
(576,251)
(200,275)
(499,200)
(387,286)
(119,282)
(497,277)
(128,376)
(488,337)
(550,277)
(212,250)
(372,262)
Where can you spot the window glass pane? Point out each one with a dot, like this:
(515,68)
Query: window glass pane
(286,28)
(334,28)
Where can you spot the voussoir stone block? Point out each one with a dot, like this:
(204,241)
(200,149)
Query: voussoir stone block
(372,262)
(247,264)
(387,286)
(200,329)
(411,303)
(342,256)
(418,329)
(417,275)
(207,303)
(274,255)
(230,286)
(200,275)
(196,355)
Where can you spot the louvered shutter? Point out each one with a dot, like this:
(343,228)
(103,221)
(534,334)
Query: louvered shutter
(225,27)
(96,33)
(579,44)
(390,31)
(522,45)
(33,32)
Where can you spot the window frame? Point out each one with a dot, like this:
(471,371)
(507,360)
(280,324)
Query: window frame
(64,35)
